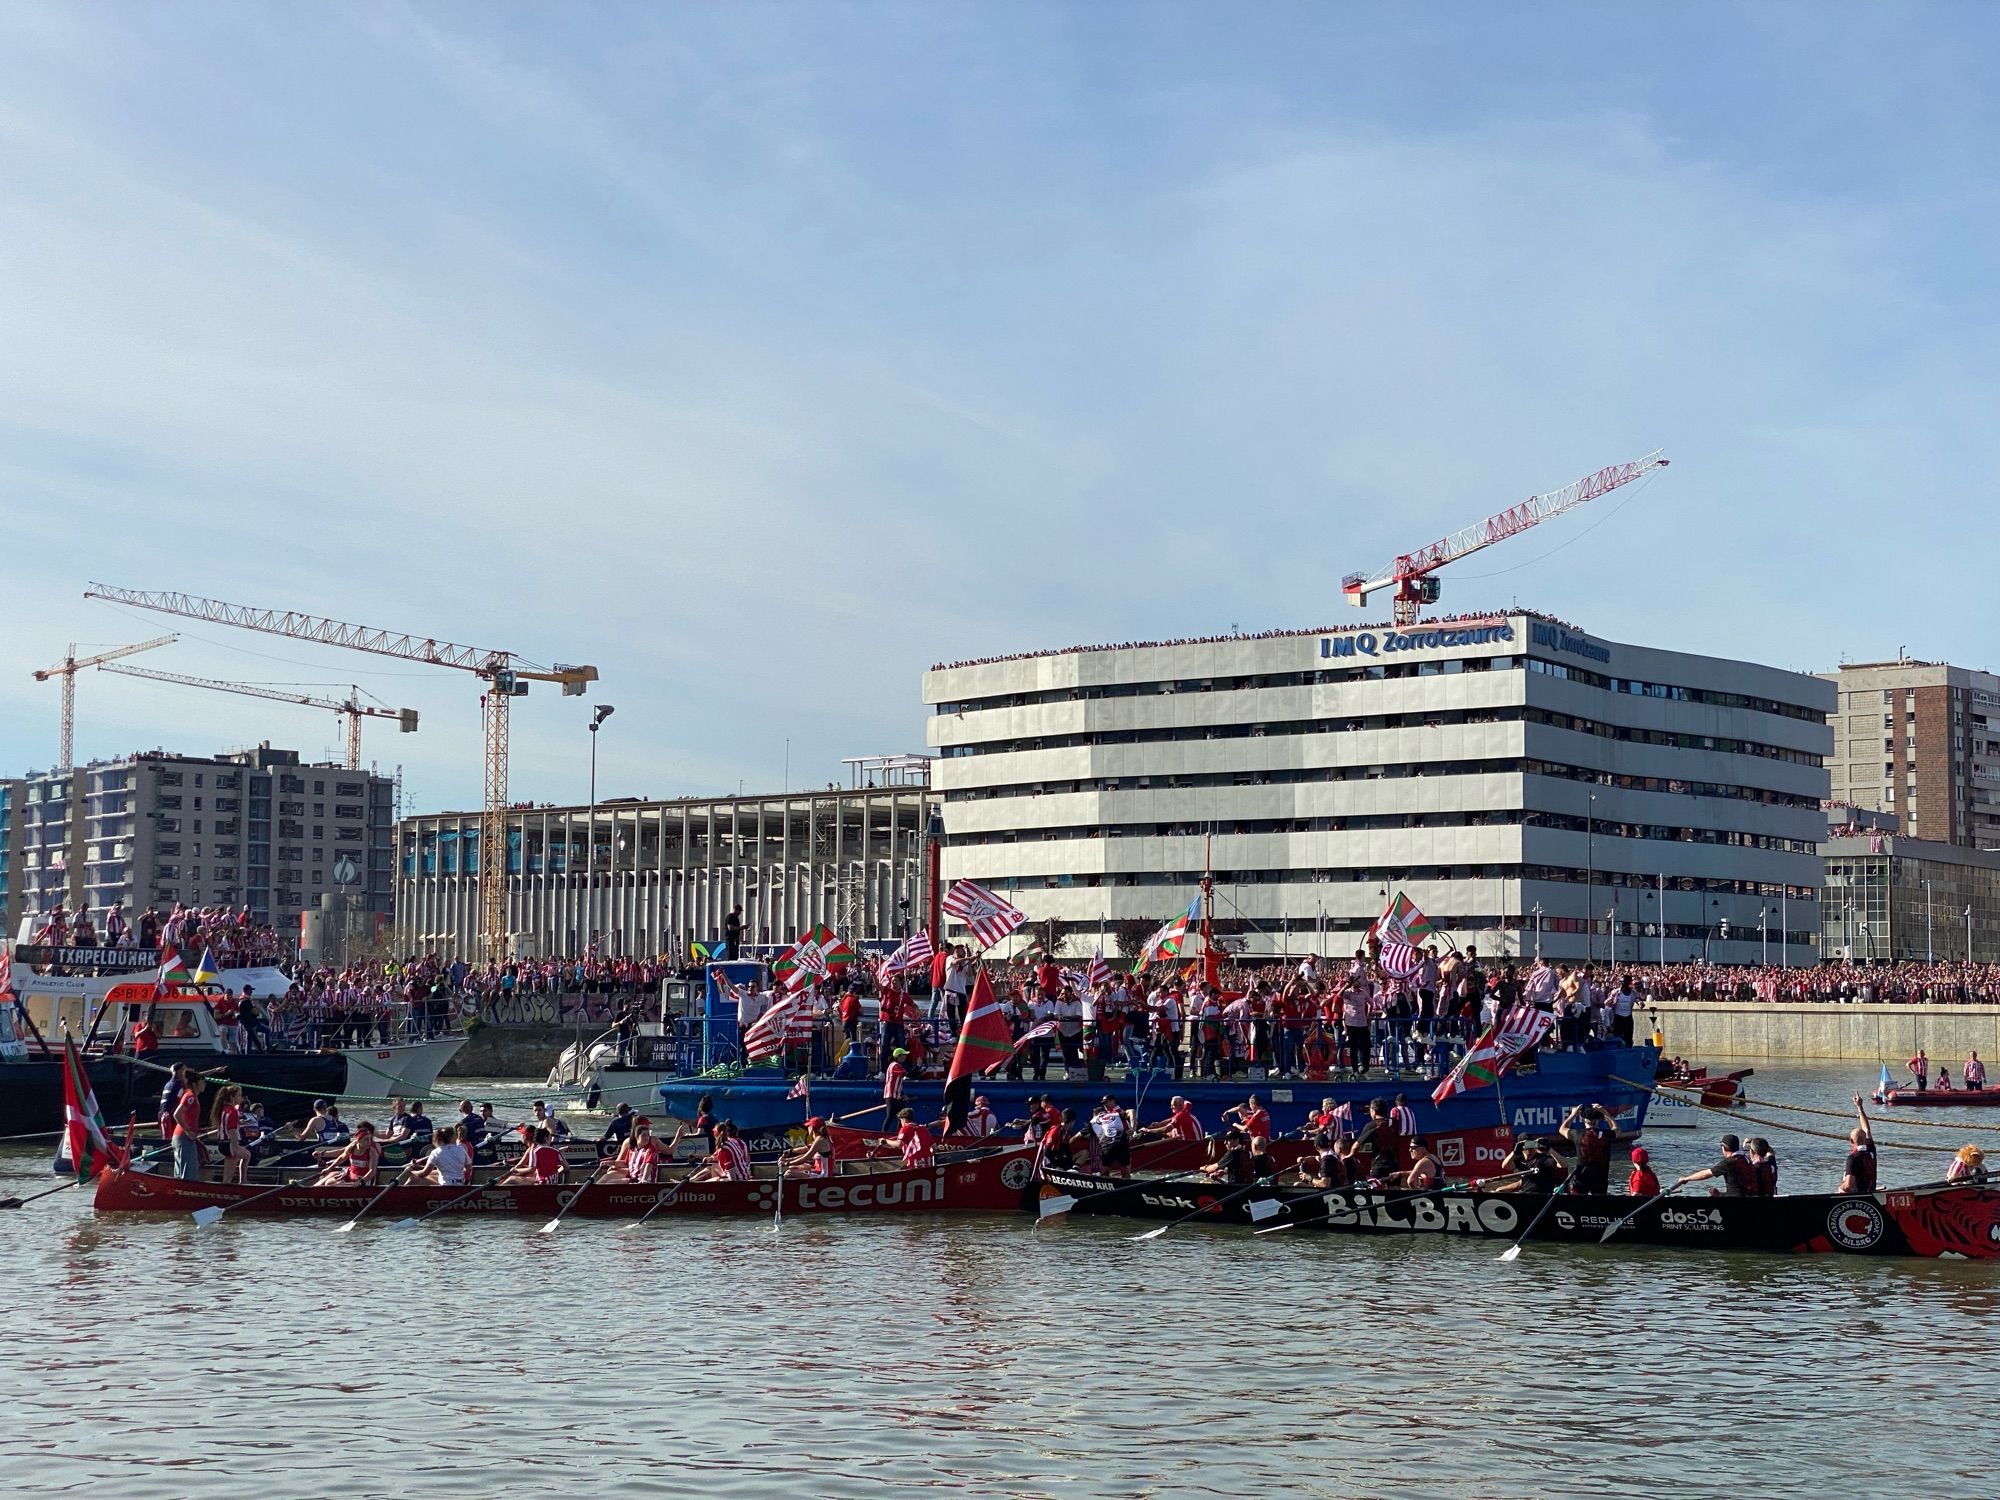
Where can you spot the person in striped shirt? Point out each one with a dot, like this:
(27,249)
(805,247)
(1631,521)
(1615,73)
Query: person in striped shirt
(730,1161)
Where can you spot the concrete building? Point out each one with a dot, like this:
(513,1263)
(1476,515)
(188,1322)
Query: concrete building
(1920,739)
(641,876)
(248,827)
(10,856)
(1521,781)
(1890,898)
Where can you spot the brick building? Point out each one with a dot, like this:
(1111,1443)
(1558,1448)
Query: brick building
(1920,740)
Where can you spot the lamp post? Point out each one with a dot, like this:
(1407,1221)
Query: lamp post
(1538,929)
(598,715)
(1663,919)
(1930,948)
(1785,925)
(1764,933)
(1589,876)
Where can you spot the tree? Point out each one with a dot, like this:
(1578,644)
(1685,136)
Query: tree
(1130,934)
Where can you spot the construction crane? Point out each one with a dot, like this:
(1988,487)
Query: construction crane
(505,674)
(350,708)
(67,669)
(1413,575)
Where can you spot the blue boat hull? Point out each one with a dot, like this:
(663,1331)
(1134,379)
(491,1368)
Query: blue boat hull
(1533,1103)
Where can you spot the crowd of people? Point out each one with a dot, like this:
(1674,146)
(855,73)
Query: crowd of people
(229,935)
(1944,983)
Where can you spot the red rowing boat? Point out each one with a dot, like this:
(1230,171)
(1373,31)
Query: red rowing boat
(992,1183)
(1940,1098)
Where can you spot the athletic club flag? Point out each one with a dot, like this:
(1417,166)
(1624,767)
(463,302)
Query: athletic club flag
(1399,959)
(766,1036)
(84,1141)
(985,1038)
(912,952)
(1402,922)
(802,1089)
(815,955)
(989,917)
(1032,1034)
(1498,1048)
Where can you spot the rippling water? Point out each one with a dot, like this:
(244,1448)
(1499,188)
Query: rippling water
(476,1358)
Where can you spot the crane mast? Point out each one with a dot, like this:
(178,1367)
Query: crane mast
(1411,575)
(351,709)
(506,676)
(67,669)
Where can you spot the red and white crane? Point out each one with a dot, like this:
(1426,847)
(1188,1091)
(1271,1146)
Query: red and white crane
(1413,574)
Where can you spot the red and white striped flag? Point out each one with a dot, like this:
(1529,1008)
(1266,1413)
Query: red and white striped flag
(989,917)
(1032,1034)
(766,1038)
(1399,959)
(1497,1049)
(802,1089)
(1100,971)
(911,952)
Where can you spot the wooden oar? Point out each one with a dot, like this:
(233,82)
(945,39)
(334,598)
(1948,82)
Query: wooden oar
(1648,1203)
(659,1203)
(1206,1208)
(348,1227)
(203,1217)
(778,1218)
(1513,1251)
(46,1192)
(551,1226)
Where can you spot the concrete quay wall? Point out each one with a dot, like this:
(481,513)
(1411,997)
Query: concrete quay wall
(1705,1030)
(522,1052)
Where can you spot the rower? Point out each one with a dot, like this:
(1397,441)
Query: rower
(356,1163)
(1764,1162)
(1738,1178)
(1234,1166)
(980,1121)
(1590,1130)
(1380,1147)
(815,1158)
(1859,1176)
(616,1133)
(638,1155)
(1424,1172)
(541,1163)
(1644,1182)
(448,1165)
(1113,1129)
(1181,1125)
(1252,1116)
(915,1141)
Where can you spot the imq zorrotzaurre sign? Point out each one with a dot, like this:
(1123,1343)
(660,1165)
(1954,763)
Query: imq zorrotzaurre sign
(1385,642)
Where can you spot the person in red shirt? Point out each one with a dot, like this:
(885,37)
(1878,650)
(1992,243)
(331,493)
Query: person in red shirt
(893,1078)
(850,1017)
(1181,1125)
(914,1141)
(145,1040)
(541,1163)
(1252,1116)
(1644,1182)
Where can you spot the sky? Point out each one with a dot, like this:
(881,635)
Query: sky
(762,355)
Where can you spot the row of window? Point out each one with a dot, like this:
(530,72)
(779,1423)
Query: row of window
(1385,879)
(1379,672)
(1734,838)
(1441,719)
(1195,781)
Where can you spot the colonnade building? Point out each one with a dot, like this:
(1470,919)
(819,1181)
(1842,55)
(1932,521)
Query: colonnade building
(1524,782)
(643,877)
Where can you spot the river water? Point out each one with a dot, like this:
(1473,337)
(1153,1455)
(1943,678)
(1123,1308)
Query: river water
(475,1358)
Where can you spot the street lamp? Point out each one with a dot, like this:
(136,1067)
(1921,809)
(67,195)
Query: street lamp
(1589,876)
(1764,933)
(1538,929)
(598,715)
(1930,948)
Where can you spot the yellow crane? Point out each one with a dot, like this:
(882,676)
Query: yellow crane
(505,674)
(67,669)
(351,709)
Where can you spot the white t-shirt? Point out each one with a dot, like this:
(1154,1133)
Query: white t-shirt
(451,1163)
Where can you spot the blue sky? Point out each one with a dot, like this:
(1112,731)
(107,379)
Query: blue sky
(764,354)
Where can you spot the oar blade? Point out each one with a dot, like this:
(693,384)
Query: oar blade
(1280,1228)
(1264,1208)
(347,1228)
(203,1217)
(1059,1203)
(552,1226)
(404,1224)
(1512,1252)
(1152,1234)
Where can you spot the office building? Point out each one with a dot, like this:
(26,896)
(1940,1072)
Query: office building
(1524,783)
(1891,899)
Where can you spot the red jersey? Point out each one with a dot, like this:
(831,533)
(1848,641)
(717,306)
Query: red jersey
(1257,1123)
(1643,1183)
(732,1160)
(916,1142)
(1183,1126)
(546,1163)
(187,1114)
(892,1081)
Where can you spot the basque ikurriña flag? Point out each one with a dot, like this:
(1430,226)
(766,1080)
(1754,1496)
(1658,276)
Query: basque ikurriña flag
(985,1035)
(84,1141)
(1498,1048)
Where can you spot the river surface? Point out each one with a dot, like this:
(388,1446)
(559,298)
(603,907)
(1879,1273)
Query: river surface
(474,1358)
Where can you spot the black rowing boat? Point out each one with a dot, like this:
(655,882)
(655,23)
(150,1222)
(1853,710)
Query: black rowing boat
(1952,1222)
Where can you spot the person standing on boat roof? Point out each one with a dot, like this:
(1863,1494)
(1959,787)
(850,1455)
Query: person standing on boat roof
(1859,1176)
(1732,1170)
